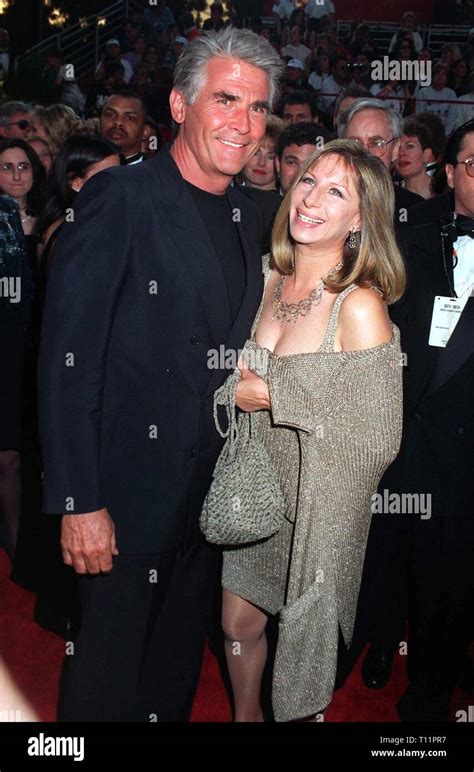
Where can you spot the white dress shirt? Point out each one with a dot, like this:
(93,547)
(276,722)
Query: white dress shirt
(464,270)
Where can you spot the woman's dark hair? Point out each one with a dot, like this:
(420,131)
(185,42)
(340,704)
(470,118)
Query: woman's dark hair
(436,129)
(75,158)
(36,197)
(414,128)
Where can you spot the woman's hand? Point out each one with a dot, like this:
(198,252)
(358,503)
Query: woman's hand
(252,392)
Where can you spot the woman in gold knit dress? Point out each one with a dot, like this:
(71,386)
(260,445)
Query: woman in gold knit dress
(322,375)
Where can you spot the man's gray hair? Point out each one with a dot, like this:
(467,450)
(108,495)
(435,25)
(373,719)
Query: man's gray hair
(230,43)
(394,118)
(9,109)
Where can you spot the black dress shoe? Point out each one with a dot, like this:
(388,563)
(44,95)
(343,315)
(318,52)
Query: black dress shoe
(377,666)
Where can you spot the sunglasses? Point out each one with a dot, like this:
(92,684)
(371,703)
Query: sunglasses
(23,123)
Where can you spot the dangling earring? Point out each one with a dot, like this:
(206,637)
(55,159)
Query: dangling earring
(352,240)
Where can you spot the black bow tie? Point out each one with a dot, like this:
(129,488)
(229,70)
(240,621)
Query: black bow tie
(464,225)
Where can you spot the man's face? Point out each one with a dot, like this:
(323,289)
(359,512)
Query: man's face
(459,179)
(295,36)
(13,130)
(373,124)
(113,51)
(221,130)
(289,165)
(297,114)
(294,73)
(122,122)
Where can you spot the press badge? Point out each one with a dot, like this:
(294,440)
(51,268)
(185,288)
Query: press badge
(446,314)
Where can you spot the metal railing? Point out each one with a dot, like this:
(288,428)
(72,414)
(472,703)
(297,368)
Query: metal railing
(82,43)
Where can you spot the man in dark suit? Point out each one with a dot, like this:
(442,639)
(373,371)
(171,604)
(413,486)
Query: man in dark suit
(419,565)
(160,268)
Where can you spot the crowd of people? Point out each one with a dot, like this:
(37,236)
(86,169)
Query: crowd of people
(134,213)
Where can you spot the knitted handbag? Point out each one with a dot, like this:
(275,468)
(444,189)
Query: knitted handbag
(245,502)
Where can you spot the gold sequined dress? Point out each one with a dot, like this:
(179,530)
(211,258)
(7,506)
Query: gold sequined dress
(333,428)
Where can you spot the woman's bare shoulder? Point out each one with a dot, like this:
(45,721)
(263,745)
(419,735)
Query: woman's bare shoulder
(363,320)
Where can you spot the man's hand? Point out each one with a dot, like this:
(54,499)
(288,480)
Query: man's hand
(88,542)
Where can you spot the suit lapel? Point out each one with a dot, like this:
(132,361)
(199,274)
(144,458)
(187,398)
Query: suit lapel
(458,350)
(177,209)
(427,278)
(441,363)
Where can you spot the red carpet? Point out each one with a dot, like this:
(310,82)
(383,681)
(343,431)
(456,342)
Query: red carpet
(34,658)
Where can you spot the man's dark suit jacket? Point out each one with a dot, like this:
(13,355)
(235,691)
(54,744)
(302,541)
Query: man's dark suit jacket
(136,299)
(438,444)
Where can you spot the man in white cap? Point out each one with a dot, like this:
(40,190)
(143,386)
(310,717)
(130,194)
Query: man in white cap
(294,71)
(112,54)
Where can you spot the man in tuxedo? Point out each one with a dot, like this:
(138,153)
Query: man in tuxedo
(419,565)
(376,126)
(160,267)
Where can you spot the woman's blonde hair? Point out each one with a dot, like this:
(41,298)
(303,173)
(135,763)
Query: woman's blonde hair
(59,123)
(376,259)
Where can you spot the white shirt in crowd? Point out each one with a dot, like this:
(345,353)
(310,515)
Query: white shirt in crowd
(446,111)
(300,52)
(329,86)
(418,42)
(317,8)
(316,81)
(284,8)
(464,112)
(464,269)
(396,104)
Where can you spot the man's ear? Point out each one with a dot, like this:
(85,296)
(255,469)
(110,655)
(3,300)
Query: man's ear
(277,164)
(450,175)
(177,106)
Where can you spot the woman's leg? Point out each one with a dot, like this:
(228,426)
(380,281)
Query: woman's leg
(246,653)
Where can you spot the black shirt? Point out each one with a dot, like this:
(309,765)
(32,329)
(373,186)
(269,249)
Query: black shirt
(216,213)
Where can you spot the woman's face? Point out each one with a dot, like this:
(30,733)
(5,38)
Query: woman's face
(324,63)
(260,170)
(43,152)
(151,57)
(16,173)
(411,157)
(36,129)
(405,51)
(460,69)
(440,79)
(325,205)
